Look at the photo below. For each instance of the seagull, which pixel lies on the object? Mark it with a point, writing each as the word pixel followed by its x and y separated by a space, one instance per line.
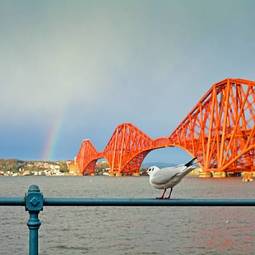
pixel 168 177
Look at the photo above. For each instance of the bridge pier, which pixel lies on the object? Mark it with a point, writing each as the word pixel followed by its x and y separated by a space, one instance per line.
pixel 205 175
pixel 118 174
pixel 219 174
pixel 247 176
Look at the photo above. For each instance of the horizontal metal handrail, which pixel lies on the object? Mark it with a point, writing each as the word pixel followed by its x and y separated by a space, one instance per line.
pixel 146 202
pixel 12 201
pixel 34 203
pixel 62 201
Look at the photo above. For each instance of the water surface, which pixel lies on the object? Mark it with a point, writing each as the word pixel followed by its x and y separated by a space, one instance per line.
pixel 134 230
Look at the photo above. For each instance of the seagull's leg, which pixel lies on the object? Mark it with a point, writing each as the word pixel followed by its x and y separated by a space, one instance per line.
pixel 170 193
pixel 162 197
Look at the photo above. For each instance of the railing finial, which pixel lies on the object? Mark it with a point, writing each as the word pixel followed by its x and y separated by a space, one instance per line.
pixel 34 199
pixel 34 204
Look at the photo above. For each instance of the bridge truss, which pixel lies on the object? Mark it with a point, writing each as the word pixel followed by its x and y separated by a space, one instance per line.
pixel 219 131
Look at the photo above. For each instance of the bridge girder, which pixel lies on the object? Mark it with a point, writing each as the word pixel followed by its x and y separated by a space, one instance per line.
pixel 219 131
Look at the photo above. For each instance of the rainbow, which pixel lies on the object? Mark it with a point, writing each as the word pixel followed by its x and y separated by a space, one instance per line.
pixel 52 138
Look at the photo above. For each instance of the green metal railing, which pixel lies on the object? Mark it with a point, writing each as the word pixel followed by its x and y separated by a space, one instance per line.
pixel 34 203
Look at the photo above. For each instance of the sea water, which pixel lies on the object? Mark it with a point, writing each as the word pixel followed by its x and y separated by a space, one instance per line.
pixel 130 230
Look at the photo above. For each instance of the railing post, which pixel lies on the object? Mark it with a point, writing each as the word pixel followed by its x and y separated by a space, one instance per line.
pixel 34 204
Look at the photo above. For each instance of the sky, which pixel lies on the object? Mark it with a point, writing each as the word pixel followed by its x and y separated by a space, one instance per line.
pixel 71 70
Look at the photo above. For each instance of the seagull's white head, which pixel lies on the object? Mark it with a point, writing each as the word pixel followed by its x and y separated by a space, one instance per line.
pixel 152 169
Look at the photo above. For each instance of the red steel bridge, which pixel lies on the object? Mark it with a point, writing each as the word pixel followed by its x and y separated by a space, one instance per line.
pixel 219 131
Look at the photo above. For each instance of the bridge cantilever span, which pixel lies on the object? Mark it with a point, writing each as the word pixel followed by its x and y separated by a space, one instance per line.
pixel 125 151
pixel 219 131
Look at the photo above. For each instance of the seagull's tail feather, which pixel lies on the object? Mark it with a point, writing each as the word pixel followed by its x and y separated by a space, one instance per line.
pixel 190 163
pixel 187 168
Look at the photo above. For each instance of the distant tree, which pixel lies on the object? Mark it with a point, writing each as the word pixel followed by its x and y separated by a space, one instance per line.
pixel 9 165
pixel 63 167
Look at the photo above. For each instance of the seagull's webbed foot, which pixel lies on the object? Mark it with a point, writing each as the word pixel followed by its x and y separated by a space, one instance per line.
pixel 162 197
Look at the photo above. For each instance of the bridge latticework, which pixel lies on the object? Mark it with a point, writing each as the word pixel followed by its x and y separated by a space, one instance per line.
pixel 219 131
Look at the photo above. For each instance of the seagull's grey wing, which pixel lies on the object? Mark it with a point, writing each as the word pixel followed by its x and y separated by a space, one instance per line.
pixel 164 175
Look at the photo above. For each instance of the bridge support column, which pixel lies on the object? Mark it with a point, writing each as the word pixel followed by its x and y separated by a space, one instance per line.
pixel 220 174
pixel 247 176
pixel 205 175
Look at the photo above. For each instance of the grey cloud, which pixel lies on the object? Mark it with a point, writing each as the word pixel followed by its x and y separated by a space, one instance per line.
pixel 99 63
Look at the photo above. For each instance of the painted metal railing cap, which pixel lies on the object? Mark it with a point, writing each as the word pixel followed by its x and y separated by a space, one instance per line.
pixel 34 199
